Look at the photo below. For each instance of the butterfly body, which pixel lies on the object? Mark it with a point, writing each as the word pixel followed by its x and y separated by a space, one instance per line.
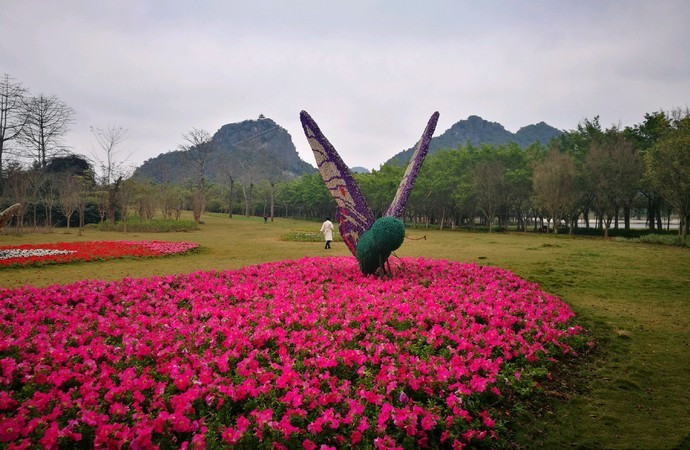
pixel 376 244
pixel 370 240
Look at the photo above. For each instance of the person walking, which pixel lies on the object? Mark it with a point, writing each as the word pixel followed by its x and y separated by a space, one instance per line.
pixel 327 230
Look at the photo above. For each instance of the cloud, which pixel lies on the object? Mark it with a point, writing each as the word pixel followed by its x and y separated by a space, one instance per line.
pixel 370 73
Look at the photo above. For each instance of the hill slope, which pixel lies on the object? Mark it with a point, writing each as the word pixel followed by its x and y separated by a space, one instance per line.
pixel 477 131
pixel 251 149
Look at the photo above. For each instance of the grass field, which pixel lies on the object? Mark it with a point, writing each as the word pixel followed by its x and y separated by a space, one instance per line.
pixel 633 392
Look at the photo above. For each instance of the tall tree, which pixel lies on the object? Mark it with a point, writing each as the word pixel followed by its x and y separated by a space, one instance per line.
pixel 12 115
pixel 198 149
pixel 613 171
pixel 556 187
pixel 106 157
pixel 69 193
pixel 644 136
pixel 668 169
pixel 47 121
pixel 489 180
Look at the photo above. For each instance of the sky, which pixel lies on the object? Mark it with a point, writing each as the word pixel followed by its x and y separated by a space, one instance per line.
pixel 370 73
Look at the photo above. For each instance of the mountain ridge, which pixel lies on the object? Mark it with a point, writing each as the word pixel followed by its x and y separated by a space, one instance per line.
pixel 251 150
pixel 476 131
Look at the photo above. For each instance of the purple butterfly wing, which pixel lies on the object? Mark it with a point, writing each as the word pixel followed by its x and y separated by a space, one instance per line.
pixel 354 215
pixel 398 205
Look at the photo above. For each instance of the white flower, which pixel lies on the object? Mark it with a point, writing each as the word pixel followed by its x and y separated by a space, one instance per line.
pixel 26 253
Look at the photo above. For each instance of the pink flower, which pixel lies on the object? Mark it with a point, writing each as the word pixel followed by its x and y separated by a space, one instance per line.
pixel 161 356
pixel 9 431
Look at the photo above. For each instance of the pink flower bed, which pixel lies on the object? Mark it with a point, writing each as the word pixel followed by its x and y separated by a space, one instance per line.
pixel 290 354
pixel 62 252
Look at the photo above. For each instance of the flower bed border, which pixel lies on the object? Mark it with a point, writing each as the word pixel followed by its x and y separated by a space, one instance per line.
pixel 94 251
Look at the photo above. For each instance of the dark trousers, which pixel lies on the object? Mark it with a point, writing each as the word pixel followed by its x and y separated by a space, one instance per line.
pixel 328 244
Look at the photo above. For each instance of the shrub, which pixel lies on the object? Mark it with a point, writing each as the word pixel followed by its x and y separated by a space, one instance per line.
pixel 307 236
pixel 136 224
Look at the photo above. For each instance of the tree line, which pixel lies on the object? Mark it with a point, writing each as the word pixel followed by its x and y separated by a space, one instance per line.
pixel 592 175
pixel 589 177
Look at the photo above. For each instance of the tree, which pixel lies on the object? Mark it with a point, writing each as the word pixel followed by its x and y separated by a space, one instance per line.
pixel 109 139
pixel 47 121
pixel 47 192
pixel 171 198
pixel 228 182
pixel 613 171
pixel 667 166
pixel 112 200
pixel 84 184
pixel 556 187
pixel 69 193
pixel 488 186
pixel 145 197
pixel 125 197
pixel 12 115
pixel 198 150
pixel 644 136
pixel 74 164
pixel 112 171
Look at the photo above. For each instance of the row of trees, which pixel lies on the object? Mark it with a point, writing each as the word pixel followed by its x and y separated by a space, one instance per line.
pixel 66 192
pixel 592 174
pixel 589 174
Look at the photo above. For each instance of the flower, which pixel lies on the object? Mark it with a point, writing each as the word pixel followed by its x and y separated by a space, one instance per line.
pixel 282 352
pixel 62 252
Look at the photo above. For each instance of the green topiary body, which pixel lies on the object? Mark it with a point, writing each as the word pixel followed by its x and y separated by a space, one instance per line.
pixel 375 245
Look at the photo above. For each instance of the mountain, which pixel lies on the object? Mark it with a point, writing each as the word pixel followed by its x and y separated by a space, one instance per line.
pixel 477 131
pixel 250 150
pixel 358 169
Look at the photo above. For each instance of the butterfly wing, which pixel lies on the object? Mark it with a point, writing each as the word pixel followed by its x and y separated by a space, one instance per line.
pixel 354 215
pixel 7 214
pixel 398 204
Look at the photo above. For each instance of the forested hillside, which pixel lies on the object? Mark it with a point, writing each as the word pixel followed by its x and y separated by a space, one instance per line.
pixel 253 149
pixel 477 131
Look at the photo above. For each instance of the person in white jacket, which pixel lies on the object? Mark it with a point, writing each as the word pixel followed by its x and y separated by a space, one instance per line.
pixel 327 230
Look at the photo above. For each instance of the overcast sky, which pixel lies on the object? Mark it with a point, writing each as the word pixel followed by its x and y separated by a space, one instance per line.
pixel 369 72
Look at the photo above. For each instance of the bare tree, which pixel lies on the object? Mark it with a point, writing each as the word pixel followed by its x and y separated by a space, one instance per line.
pixel 112 170
pixel 254 164
pixel 198 150
pixel 12 115
pixel 125 197
pixel 146 198
pixel 84 183
pixel 228 181
pixel 47 121
pixel 109 140
pixel 556 187
pixel 171 198
pixel 47 194
pixel 68 195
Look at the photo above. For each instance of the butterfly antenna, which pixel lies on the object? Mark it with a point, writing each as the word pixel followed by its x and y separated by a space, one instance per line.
pixel 402 263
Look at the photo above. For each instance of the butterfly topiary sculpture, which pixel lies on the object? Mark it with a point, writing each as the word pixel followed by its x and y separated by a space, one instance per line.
pixel 370 240
pixel 6 215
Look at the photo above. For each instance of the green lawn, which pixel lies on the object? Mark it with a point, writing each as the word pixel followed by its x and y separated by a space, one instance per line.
pixel 634 392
